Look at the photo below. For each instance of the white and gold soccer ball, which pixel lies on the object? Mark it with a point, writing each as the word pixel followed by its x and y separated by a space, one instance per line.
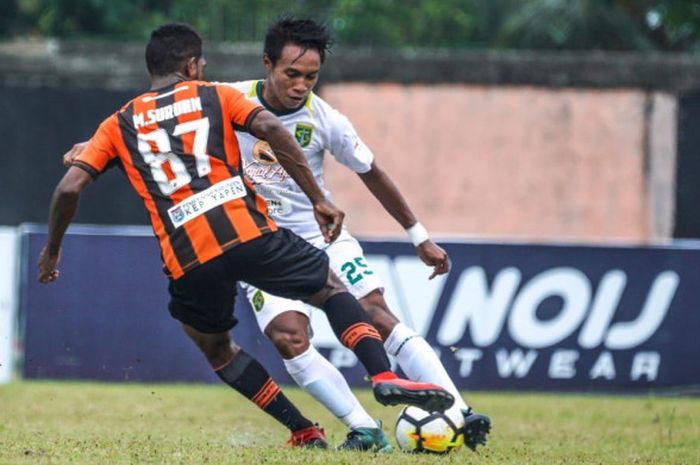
pixel 431 432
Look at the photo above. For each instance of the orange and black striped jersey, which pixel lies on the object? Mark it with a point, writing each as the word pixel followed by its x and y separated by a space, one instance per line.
pixel 178 148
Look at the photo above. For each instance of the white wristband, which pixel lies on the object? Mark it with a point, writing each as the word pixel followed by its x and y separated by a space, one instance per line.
pixel 418 234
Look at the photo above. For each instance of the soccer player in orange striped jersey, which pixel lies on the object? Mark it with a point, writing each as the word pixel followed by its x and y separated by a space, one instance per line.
pixel 177 146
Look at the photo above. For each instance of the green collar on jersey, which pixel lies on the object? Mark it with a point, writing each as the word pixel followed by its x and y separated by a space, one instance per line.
pixel 274 111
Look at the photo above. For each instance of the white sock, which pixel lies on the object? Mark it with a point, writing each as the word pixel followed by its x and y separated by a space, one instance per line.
pixel 323 381
pixel 420 362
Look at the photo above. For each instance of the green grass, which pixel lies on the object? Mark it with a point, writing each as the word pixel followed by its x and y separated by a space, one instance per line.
pixel 82 423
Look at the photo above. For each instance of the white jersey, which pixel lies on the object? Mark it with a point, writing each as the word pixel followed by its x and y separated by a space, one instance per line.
pixel 318 128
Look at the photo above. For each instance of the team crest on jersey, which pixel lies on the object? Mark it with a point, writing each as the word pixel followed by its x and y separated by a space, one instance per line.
pixel 258 300
pixel 263 154
pixel 178 214
pixel 303 133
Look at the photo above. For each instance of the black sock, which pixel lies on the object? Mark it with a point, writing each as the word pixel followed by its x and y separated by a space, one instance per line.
pixel 351 326
pixel 247 376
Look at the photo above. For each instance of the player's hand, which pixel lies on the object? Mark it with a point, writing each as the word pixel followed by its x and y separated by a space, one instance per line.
pixel 330 219
pixel 73 153
pixel 47 266
pixel 433 255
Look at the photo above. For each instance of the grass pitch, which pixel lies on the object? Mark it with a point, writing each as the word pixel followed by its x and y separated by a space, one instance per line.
pixel 85 423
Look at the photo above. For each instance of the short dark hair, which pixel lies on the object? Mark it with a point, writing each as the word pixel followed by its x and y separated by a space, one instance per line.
pixel 306 33
pixel 171 45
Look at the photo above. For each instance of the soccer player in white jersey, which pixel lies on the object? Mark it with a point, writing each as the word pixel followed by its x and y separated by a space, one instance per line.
pixel 294 52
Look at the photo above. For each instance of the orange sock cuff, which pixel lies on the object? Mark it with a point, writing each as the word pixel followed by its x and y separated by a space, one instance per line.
pixel 355 333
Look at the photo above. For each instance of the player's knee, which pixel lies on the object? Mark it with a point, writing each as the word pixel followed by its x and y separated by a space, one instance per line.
pixel 220 352
pixel 289 334
pixel 290 343
pixel 218 348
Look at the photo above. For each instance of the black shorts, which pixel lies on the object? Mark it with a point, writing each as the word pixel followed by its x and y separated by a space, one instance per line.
pixel 280 263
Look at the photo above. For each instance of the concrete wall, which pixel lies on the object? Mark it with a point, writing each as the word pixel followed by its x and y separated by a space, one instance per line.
pixel 526 162
pixel 120 66
pixel 542 146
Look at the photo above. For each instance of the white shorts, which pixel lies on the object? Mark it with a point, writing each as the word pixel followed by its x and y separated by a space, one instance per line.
pixel 347 260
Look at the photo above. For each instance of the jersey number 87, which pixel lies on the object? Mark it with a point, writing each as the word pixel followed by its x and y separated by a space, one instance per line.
pixel 156 150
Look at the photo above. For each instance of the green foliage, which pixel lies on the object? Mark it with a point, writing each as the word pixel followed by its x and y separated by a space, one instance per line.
pixel 678 24
pixel 538 24
pixel 577 24
pixel 388 23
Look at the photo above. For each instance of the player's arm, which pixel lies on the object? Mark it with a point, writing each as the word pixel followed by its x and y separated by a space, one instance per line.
pixel 266 126
pixel 385 191
pixel 64 204
pixel 89 161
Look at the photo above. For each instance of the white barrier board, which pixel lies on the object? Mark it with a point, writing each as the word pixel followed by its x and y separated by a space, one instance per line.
pixel 8 299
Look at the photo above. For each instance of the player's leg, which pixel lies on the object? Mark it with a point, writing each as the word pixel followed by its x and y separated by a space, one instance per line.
pixel 286 323
pixel 420 363
pixel 247 376
pixel 414 355
pixel 203 301
pixel 412 352
pixel 351 325
pixel 284 264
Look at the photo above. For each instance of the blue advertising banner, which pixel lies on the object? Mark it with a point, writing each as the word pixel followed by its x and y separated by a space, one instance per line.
pixel 106 316
pixel 507 316
pixel 563 317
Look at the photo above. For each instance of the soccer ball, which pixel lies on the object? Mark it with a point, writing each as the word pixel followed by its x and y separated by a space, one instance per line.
pixel 431 432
